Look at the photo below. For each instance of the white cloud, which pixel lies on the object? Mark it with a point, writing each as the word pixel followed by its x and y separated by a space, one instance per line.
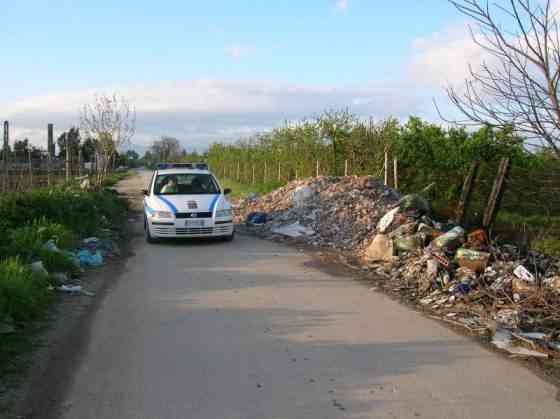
pixel 200 112
pixel 342 5
pixel 444 57
pixel 239 51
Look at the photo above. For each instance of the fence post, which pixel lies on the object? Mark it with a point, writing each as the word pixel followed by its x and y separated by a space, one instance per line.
pixel 466 193
pixel 396 174
pixel 30 169
pixel 317 169
pixel 279 171
pixel 49 152
pixel 67 157
pixel 265 167
pixel 238 168
pixel 386 168
pixel 79 161
pixel 253 180
pixel 345 167
pixel 5 154
pixel 490 210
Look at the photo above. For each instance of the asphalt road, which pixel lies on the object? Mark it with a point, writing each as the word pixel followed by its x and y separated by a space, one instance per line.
pixel 252 330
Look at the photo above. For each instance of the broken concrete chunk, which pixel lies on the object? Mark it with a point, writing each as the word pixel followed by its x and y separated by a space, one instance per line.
pixel 380 249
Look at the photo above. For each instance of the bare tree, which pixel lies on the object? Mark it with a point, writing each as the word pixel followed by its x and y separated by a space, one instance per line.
pixel 111 120
pixel 518 85
pixel 166 149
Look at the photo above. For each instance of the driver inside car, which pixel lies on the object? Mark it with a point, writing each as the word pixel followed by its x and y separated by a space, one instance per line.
pixel 170 186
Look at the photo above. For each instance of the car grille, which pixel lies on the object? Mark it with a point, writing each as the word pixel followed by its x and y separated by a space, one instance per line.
pixel 192 231
pixel 189 215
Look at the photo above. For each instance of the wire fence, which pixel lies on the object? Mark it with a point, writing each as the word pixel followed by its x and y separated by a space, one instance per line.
pixel 528 200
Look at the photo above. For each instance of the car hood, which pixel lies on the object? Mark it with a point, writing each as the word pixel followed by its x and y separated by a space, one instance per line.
pixel 180 203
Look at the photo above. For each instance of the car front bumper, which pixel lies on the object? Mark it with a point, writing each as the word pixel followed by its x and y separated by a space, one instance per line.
pixel 179 229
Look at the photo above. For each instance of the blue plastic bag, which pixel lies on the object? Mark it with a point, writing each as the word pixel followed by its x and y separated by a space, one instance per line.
pixel 88 258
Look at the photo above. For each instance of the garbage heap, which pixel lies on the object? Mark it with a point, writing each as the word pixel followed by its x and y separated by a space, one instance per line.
pixel 462 277
pixel 468 280
pixel 337 212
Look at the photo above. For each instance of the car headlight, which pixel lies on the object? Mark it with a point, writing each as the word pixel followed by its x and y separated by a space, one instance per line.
pixel 223 213
pixel 163 214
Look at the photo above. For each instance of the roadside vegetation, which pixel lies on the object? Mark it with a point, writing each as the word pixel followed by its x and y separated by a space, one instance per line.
pixel 426 154
pixel 43 225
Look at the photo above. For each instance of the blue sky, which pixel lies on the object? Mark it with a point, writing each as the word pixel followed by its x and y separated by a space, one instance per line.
pixel 334 53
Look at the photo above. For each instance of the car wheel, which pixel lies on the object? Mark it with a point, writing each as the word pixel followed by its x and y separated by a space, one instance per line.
pixel 230 237
pixel 149 237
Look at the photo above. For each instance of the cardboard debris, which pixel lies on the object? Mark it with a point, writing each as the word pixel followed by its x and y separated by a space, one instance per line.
pixel 380 249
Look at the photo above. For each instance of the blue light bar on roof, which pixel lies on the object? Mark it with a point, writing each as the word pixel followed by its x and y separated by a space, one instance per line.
pixel 199 166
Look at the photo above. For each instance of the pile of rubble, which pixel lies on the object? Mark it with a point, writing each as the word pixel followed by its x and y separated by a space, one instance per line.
pixel 325 211
pixel 463 278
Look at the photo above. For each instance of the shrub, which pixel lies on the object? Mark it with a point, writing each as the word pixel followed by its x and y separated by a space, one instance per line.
pixel 23 295
pixel 28 241
pixel 548 246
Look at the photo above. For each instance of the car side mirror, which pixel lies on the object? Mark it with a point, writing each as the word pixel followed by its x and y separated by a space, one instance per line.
pixel 145 192
pixel 227 191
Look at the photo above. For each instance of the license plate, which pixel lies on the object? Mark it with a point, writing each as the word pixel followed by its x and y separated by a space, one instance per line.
pixel 195 223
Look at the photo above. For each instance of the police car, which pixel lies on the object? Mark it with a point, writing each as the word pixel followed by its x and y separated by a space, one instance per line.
pixel 186 200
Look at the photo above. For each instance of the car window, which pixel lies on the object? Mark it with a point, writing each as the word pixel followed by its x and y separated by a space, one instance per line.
pixel 185 184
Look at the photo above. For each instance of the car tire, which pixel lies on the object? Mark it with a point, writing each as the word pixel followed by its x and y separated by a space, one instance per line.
pixel 149 238
pixel 230 237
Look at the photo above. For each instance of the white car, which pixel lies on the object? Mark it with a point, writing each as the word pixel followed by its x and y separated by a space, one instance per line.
pixel 186 200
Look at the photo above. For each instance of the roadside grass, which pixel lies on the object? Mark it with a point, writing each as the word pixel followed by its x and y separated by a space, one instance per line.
pixel 116 177
pixel 240 190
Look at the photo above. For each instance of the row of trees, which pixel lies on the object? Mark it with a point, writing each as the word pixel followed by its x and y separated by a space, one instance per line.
pixel 339 141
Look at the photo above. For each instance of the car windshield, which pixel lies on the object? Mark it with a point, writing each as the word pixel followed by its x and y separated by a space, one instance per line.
pixel 186 184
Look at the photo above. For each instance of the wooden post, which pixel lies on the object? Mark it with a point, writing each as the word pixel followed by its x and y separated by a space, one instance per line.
pixel 30 169
pixel 238 168
pixel 297 174
pixel 345 167
pixel 49 152
pixel 386 168
pixel 5 154
pixel 396 174
pixel 253 181
pixel 492 206
pixel 279 171
pixel 317 169
pixel 466 193
pixel 265 171
pixel 79 161
pixel 67 157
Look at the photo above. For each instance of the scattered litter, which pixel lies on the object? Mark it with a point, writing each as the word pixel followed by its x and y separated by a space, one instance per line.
pixel 39 268
pixel 70 289
pixel 257 218
pixel 293 230
pixel 459 276
pixel 59 277
pixel 522 273
pixel 87 258
pixel 503 339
